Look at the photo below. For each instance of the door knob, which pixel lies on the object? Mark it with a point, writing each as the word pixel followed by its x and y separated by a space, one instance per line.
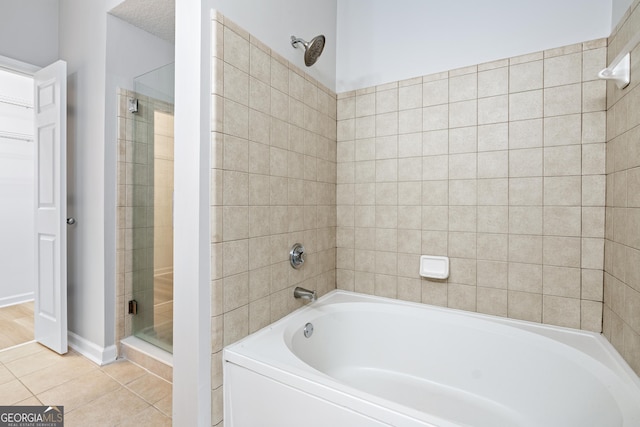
pixel 71 220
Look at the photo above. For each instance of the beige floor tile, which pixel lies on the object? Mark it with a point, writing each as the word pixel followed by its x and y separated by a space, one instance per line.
pixel 165 405
pixel 32 363
pixel 150 387
pixel 148 417
pixel 5 375
pixel 16 325
pixel 13 333
pixel 26 322
pixel 10 355
pixel 65 368
pixel 123 371
pixel 109 410
pixel 13 392
pixel 79 391
pixel 30 401
pixel 15 311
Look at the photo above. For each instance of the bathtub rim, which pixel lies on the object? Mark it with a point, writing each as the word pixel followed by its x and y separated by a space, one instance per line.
pixel 294 372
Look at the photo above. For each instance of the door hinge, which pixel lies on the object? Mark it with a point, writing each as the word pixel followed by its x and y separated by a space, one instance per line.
pixel 133 307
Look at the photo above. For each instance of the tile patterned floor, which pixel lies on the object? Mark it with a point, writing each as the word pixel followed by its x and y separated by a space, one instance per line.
pixel 119 394
pixel 16 324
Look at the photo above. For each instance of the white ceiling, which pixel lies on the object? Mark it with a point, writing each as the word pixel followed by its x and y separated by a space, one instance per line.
pixel 154 16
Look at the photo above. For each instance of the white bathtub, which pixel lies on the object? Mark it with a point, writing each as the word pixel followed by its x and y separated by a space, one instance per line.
pixel 373 361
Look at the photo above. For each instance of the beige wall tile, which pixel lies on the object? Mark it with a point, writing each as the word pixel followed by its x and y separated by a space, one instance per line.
pixel 236 324
pixel 461 297
pixel 493 137
pixel 462 88
pixel 591 316
pixel 493 164
pixel 462 166
pixel 236 84
pixel 492 301
pixel 563 70
pixel 463 113
pixel 525 277
pixel 524 248
pixel 594 127
pixel 236 50
pixel 565 160
pixel 563 191
pixel 435 142
pixel 525 133
pixel 493 82
pixel 493 219
pixel 561 100
pixel 524 306
pixel 525 220
pixel 525 105
pixel 561 281
pixel 631 350
pixel 462 245
pixel 525 76
pixel 493 110
pixel 561 311
pixel 386 101
pixel 435 92
pixel 561 251
pixel 563 130
pixel 562 221
pixel 594 96
pixel 434 293
pixel 434 242
pixel 462 271
pixel 409 289
pixel 463 140
pixel 493 192
pixel 463 192
pixel 410 97
pixel 492 274
pixel 410 145
pixel 492 246
pixel 525 163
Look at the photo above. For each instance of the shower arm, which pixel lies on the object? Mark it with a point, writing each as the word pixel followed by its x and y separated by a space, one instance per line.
pixel 295 40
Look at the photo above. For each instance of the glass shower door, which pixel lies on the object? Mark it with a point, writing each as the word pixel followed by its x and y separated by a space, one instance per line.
pixel 152 212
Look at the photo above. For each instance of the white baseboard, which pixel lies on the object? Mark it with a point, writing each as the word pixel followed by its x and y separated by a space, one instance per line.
pixel 16 299
pixel 92 351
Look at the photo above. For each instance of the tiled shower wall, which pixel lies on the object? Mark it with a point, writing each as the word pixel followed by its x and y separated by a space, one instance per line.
pixel 622 247
pixel 500 167
pixel 273 184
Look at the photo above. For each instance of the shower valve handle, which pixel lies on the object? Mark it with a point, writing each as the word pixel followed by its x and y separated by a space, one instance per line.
pixel 296 255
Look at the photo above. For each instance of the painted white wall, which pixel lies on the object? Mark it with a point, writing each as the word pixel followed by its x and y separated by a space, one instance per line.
pixel 29 30
pixel 82 42
pixel 192 397
pixel 16 191
pixel 16 221
pixel 619 8
pixel 274 22
pixel 380 41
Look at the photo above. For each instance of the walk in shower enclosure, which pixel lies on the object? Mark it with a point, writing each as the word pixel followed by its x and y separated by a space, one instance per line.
pixel 151 195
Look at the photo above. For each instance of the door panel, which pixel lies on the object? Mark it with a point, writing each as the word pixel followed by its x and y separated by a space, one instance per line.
pixel 50 308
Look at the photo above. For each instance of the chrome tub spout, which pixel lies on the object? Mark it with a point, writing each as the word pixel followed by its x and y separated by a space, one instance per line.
pixel 303 293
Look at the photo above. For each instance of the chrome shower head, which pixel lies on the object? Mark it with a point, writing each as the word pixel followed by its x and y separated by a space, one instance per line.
pixel 312 49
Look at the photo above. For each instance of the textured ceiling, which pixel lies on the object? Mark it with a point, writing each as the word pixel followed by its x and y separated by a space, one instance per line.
pixel 154 16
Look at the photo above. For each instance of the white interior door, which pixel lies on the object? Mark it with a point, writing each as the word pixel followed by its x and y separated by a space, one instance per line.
pixel 50 106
